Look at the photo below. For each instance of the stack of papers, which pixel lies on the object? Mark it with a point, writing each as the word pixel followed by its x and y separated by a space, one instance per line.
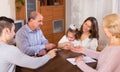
pixel 86 59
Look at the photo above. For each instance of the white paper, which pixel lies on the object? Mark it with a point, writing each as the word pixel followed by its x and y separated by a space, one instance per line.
pixel 71 60
pixel 86 59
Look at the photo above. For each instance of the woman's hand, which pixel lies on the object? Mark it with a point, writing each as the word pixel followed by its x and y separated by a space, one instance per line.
pixel 78 59
pixel 76 49
pixel 67 45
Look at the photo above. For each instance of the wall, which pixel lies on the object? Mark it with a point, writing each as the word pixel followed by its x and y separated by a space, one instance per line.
pixel 68 13
pixel 7 8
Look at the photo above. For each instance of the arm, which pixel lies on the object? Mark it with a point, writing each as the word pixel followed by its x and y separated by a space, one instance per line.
pixel 93 44
pixel 64 43
pixel 88 52
pixel 20 59
pixel 84 67
pixel 43 39
pixel 91 53
pixel 108 64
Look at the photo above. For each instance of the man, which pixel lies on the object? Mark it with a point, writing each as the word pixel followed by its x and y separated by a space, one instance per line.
pixel 30 38
pixel 11 55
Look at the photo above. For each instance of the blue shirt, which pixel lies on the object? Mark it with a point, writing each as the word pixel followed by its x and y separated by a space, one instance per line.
pixel 30 42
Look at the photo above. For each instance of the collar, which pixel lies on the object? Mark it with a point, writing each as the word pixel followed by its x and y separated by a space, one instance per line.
pixel 28 28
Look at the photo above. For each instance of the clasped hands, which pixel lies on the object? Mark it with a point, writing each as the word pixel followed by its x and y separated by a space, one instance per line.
pixel 67 46
pixel 77 49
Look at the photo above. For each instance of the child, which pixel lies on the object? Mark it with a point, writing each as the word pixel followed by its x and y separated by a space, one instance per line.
pixel 69 39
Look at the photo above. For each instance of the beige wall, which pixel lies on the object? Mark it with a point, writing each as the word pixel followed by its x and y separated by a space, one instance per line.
pixel 7 8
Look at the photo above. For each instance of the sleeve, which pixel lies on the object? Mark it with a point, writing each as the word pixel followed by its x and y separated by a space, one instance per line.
pixel 90 53
pixel 43 39
pixel 85 68
pixel 18 58
pixel 93 44
pixel 109 64
pixel 63 39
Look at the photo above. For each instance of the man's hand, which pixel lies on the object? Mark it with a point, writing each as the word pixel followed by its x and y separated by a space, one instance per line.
pixel 76 49
pixel 42 52
pixel 52 53
pixel 49 46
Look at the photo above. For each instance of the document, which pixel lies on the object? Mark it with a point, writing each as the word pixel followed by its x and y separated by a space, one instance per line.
pixel 86 59
pixel 71 60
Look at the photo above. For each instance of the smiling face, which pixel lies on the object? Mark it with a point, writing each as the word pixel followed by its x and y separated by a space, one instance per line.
pixel 38 21
pixel 35 20
pixel 87 26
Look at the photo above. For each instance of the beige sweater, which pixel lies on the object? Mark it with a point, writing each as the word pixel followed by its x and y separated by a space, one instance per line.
pixel 108 60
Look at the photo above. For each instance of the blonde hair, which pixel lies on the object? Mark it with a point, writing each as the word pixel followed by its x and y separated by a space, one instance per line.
pixel 112 23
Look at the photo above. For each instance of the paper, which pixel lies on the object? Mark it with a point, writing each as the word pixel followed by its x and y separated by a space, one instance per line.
pixel 86 59
pixel 71 60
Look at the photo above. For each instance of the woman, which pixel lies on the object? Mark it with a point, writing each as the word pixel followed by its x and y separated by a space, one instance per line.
pixel 88 34
pixel 108 59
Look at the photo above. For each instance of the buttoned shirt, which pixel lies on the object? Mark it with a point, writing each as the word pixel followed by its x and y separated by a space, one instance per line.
pixel 30 42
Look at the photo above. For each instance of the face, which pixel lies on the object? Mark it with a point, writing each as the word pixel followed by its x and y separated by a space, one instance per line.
pixel 11 34
pixel 38 22
pixel 71 36
pixel 87 26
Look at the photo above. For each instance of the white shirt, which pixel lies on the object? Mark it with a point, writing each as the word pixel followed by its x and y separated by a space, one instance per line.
pixel 89 43
pixel 65 39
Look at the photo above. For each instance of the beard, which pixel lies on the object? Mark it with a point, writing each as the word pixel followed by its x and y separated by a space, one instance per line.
pixel 10 40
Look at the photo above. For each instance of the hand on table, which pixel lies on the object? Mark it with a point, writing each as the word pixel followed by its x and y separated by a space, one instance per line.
pixel 42 52
pixel 49 46
pixel 78 59
pixel 52 53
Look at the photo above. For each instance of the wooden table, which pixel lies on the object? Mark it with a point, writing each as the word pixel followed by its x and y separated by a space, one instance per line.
pixel 57 64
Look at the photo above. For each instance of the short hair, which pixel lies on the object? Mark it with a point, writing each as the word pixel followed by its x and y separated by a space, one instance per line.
pixel 5 23
pixel 94 28
pixel 112 23
pixel 6 19
pixel 32 15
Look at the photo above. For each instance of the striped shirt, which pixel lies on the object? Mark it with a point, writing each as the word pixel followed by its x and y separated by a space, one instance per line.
pixel 30 42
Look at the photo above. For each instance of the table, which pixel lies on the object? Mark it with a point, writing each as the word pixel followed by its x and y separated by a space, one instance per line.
pixel 57 64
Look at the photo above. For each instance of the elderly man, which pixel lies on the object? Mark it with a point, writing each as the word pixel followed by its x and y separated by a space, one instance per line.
pixel 30 38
